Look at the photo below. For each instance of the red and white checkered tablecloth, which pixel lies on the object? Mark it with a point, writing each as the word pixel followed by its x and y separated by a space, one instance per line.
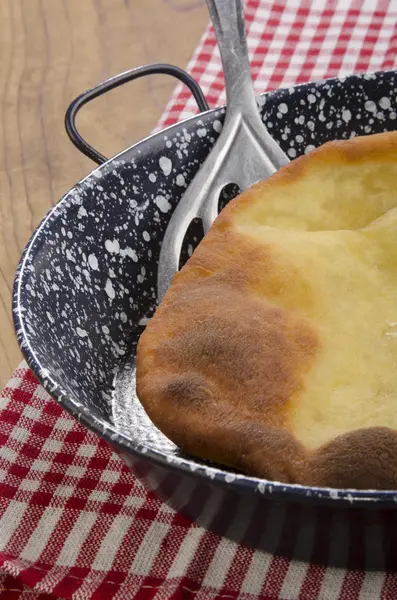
pixel 74 523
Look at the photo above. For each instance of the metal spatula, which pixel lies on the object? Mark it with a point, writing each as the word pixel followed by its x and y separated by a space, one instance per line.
pixel 244 152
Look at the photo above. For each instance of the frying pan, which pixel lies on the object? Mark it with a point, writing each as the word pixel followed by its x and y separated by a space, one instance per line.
pixel 86 286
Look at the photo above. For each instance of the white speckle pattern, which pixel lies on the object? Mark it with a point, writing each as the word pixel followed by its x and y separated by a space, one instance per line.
pixel 144 321
pixel 384 103
pixel 129 252
pixel 112 246
pixel 180 180
pixel 81 332
pixel 165 165
pixel 109 289
pixel 370 106
pixel 93 262
pixel 346 115
pixel 210 473
pixel 162 203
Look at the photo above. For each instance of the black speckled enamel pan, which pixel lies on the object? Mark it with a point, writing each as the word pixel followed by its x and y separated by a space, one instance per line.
pixel 86 286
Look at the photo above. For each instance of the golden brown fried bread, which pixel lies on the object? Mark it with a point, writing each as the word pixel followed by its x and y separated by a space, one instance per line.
pixel 275 349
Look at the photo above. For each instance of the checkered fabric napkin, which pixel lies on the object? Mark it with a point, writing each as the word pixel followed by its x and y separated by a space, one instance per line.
pixel 74 523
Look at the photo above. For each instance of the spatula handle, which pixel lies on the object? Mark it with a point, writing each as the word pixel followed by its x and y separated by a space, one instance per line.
pixel 227 17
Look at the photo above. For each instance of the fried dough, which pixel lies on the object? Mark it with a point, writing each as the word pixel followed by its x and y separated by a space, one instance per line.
pixel 274 350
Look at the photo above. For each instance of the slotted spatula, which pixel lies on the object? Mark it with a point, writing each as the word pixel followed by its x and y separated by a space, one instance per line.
pixel 244 153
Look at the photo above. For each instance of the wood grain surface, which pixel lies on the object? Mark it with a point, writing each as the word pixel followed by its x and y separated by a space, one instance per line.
pixel 52 50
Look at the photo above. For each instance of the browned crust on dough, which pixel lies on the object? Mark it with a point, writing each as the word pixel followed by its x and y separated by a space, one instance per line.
pixel 216 367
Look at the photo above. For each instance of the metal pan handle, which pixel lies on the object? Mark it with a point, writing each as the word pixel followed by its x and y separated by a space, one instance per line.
pixel 114 82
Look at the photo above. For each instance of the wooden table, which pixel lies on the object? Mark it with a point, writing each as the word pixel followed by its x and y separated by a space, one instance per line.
pixel 52 50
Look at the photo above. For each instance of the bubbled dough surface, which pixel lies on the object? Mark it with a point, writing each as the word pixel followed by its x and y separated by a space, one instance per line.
pixel 335 229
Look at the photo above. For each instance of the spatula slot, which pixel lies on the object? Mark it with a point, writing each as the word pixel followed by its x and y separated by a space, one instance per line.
pixel 228 192
pixel 193 237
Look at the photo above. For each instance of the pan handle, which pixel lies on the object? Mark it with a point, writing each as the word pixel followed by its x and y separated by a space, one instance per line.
pixel 114 82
